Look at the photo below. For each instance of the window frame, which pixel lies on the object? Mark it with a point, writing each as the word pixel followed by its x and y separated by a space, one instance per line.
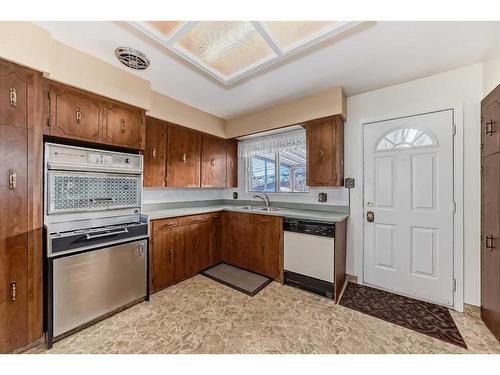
pixel 276 179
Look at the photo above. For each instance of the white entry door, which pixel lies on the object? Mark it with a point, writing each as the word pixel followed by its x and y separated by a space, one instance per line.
pixel 408 177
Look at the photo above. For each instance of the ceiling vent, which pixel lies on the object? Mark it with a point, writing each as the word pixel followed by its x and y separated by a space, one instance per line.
pixel 132 58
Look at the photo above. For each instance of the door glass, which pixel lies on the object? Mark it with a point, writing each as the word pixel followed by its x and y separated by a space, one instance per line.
pixel 405 138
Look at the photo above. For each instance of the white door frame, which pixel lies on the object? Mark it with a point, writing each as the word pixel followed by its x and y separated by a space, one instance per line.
pixel 458 193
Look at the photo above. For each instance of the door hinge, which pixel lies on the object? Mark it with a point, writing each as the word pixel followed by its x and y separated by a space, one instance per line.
pixel 454 129
pixel 454 285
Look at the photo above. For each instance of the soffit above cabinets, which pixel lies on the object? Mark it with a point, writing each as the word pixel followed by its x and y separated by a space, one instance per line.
pixel 229 51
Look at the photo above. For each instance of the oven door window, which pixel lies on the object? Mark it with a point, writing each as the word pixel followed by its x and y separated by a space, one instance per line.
pixel 83 192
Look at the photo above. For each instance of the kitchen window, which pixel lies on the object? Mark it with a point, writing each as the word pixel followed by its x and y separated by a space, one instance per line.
pixel 276 163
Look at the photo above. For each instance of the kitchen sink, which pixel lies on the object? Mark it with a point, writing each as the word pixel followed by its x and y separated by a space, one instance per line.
pixel 253 208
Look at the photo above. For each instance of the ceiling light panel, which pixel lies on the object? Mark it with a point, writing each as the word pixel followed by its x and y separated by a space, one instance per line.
pixel 227 47
pixel 288 34
pixel 165 28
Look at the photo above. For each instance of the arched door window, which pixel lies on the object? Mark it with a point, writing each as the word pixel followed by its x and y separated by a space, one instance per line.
pixel 406 138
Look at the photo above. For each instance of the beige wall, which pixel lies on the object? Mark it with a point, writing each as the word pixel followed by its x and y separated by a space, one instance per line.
pixel 323 104
pixel 168 109
pixel 28 44
pixel 491 74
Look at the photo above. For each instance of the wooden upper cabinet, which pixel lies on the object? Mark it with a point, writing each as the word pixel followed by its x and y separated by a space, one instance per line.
pixel 155 153
pixel 124 126
pixel 75 114
pixel 16 91
pixel 490 123
pixel 325 152
pixel 232 163
pixel 213 162
pixel 183 157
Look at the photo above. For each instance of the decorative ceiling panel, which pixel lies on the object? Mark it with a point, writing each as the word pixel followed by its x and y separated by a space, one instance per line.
pixel 229 51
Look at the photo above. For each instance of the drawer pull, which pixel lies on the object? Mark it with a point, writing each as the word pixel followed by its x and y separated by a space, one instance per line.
pixel 12 179
pixel 489 242
pixel 13 96
pixel 12 290
pixel 184 158
pixel 489 127
pixel 321 154
pixel 78 115
pixel 212 162
pixel 122 125
pixel 153 153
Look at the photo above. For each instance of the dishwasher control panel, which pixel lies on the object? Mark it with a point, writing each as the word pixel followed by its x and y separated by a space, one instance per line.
pixel 313 228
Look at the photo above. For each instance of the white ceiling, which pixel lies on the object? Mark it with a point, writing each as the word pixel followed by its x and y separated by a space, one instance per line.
pixel 367 57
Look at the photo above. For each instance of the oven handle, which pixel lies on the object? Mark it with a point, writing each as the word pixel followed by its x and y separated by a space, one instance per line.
pixel 90 236
pixel 95 200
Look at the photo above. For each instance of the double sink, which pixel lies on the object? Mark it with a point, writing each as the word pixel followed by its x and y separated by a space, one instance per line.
pixel 257 208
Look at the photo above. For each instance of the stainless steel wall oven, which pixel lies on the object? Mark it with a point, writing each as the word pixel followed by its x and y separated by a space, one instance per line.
pixel 96 239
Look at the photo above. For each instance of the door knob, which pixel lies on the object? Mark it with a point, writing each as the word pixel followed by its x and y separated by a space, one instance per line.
pixel 370 216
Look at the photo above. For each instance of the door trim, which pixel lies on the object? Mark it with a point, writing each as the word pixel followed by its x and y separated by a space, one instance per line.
pixel 458 193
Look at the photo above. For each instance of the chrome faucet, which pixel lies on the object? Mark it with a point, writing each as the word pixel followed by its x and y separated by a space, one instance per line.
pixel 264 197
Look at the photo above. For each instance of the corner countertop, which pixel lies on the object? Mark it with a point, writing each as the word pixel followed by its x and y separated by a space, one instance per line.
pixel 296 213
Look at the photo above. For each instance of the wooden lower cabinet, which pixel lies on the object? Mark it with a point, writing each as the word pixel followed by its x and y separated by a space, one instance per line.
pixel 179 248
pixel 253 242
pixel 182 247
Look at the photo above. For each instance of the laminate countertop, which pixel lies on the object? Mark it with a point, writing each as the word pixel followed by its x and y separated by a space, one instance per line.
pixel 296 213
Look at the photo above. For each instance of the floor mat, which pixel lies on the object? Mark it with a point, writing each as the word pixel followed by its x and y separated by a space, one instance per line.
pixel 422 317
pixel 244 281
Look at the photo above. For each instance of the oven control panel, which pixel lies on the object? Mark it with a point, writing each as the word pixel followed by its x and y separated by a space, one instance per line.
pixel 78 158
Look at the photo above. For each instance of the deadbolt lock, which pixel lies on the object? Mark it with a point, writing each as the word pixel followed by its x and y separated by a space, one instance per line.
pixel 370 216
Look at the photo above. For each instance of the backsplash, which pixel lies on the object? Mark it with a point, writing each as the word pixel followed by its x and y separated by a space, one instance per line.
pixel 162 195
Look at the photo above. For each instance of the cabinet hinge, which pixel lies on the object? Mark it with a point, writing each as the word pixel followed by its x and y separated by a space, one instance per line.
pixel 454 129
pixel 454 285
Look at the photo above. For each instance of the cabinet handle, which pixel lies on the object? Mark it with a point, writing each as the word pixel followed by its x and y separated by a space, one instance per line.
pixel 184 158
pixel 13 290
pixel 489 242
pixel 78 115
pixel 12 179
pixel 122 125
pixel 153 153
pixel 212 162
pixel 489 127
pixel 13 96
pixel 171 256
pixel 321 153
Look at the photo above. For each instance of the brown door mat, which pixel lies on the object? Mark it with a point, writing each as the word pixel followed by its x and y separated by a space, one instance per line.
pixel 242 280
pixel 423 317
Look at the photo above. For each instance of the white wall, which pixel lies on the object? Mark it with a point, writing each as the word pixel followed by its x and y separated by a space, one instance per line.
pixel 336 196
pixel 458 87
pixel 491 74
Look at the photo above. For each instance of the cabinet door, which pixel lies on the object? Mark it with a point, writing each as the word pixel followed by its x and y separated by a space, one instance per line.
pixel 75 114
pixel 217 251
pixel 198 247
pixel 265 245
pixel 14 95
pixel 490 123
pixel 155 153
pixel 183 157
pixel 124 126
pixel 163 244
pixel 325 148
pixel 237 239
pixel 13 238
pixel 213 162
pixel 232 163
pixel 490 249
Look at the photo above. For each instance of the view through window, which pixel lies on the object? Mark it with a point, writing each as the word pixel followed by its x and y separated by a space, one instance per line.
pixel 283 171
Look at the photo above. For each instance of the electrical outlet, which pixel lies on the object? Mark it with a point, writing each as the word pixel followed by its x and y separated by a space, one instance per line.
pixel 322 197
pixel 235 195
pixel 349 182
